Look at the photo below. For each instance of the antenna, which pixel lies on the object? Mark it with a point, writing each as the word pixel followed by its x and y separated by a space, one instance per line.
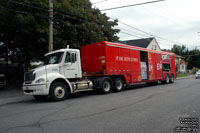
pixel 67 46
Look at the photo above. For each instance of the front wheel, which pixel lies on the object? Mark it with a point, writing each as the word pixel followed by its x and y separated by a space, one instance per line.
pixel 58 91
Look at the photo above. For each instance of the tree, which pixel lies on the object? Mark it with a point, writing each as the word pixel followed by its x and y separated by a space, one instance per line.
pixel 194 58
pixel 190 56
pixel 24 27
pixel 179 50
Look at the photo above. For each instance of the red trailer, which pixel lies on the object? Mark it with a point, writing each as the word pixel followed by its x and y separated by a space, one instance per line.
pixel 127 64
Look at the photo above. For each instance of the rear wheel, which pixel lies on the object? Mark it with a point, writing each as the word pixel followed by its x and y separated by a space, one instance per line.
pixel 166 81
pixel 172 79
pixel 106 86
pixel 58 91
pixel 118 84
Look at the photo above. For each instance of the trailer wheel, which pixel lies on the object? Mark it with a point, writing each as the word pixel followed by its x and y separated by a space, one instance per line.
pixel 40 97
pixel 58 91
pixel 166 81
pixel 172 79
pixel 106 86
pixel 118 84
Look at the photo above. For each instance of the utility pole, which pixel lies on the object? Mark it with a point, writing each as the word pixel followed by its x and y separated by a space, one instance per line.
pixel 50 25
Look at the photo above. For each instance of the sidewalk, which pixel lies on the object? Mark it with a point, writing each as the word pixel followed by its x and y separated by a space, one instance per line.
pixel 187 77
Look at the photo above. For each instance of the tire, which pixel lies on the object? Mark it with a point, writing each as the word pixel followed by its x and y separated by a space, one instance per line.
pixel 172 79
pixel 118 84
pixel 106 86
pixel 58 91
pixel 166 81
pixel 40 98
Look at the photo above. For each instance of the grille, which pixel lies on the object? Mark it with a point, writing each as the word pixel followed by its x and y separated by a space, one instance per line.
pixel 29 77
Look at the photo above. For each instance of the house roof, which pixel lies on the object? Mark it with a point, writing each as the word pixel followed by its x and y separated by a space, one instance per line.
pixel 144 43
pixel 184 62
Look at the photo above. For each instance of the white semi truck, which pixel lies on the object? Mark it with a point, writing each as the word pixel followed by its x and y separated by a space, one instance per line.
pixel 60 75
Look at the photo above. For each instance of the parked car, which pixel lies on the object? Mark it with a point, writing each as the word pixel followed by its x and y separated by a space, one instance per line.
pixel 198 74
pixel 2 80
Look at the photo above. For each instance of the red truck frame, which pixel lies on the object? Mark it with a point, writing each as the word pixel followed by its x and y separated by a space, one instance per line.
pixel 128 63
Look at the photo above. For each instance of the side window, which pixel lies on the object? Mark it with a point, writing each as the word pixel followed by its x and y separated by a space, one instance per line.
pixel 73 57
pixel 67 58
pixel 70 57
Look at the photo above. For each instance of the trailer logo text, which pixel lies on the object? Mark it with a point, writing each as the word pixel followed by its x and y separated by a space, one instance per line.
pixel 120 58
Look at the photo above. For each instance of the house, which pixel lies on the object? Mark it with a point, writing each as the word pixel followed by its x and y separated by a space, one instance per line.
pixel 149 43
pixel 180 64
pixel 182 67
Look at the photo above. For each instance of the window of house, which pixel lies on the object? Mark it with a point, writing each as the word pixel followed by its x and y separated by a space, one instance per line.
pixel 154 47
pixel 182 66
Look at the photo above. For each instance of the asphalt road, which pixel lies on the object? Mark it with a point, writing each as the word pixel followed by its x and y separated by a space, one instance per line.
pixel 156 109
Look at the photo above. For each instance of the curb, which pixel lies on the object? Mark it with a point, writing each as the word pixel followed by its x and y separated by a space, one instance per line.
pixel 188 77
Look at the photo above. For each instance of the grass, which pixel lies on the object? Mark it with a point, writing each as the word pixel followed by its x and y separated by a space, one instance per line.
pixel 183 75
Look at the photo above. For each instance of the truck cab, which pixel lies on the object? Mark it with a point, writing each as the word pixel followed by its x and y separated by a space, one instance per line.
pixel 56 78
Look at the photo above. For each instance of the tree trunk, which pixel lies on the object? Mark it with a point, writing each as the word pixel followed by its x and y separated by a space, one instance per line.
pixel 27 65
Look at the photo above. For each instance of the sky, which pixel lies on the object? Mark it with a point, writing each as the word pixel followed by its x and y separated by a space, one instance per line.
pixel 170 21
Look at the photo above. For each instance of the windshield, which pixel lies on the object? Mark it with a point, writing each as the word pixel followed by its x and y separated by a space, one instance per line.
pixel 53 58
pixel 198 71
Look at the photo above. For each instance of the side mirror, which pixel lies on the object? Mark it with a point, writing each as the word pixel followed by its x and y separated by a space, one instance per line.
pixel 41 64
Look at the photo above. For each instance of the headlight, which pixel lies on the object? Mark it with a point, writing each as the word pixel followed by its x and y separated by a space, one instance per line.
pixel 41 80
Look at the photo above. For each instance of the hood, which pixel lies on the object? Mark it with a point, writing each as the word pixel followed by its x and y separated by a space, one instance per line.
pixel 50 68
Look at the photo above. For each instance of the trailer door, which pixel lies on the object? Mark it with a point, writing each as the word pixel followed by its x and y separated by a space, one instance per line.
pixel 159 71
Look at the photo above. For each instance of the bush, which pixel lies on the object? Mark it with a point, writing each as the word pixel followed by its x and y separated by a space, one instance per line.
pixel 195 69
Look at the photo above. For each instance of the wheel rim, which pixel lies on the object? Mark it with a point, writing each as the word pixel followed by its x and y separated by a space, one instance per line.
pixel 172 79
pixel 119 85
pixel 167 79
pixel 106 86
pixel 59 92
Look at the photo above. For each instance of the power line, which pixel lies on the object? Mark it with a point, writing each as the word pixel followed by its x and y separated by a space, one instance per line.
pixel 141 38
pixel 27 5
pixel 69 15
pixel 22 12
pixel 56 11
pixel 132 5
pixel 135 33
pixel 147 32
pixel 66 15
pixel 130 34
pixel 99 1
pixel 192 55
